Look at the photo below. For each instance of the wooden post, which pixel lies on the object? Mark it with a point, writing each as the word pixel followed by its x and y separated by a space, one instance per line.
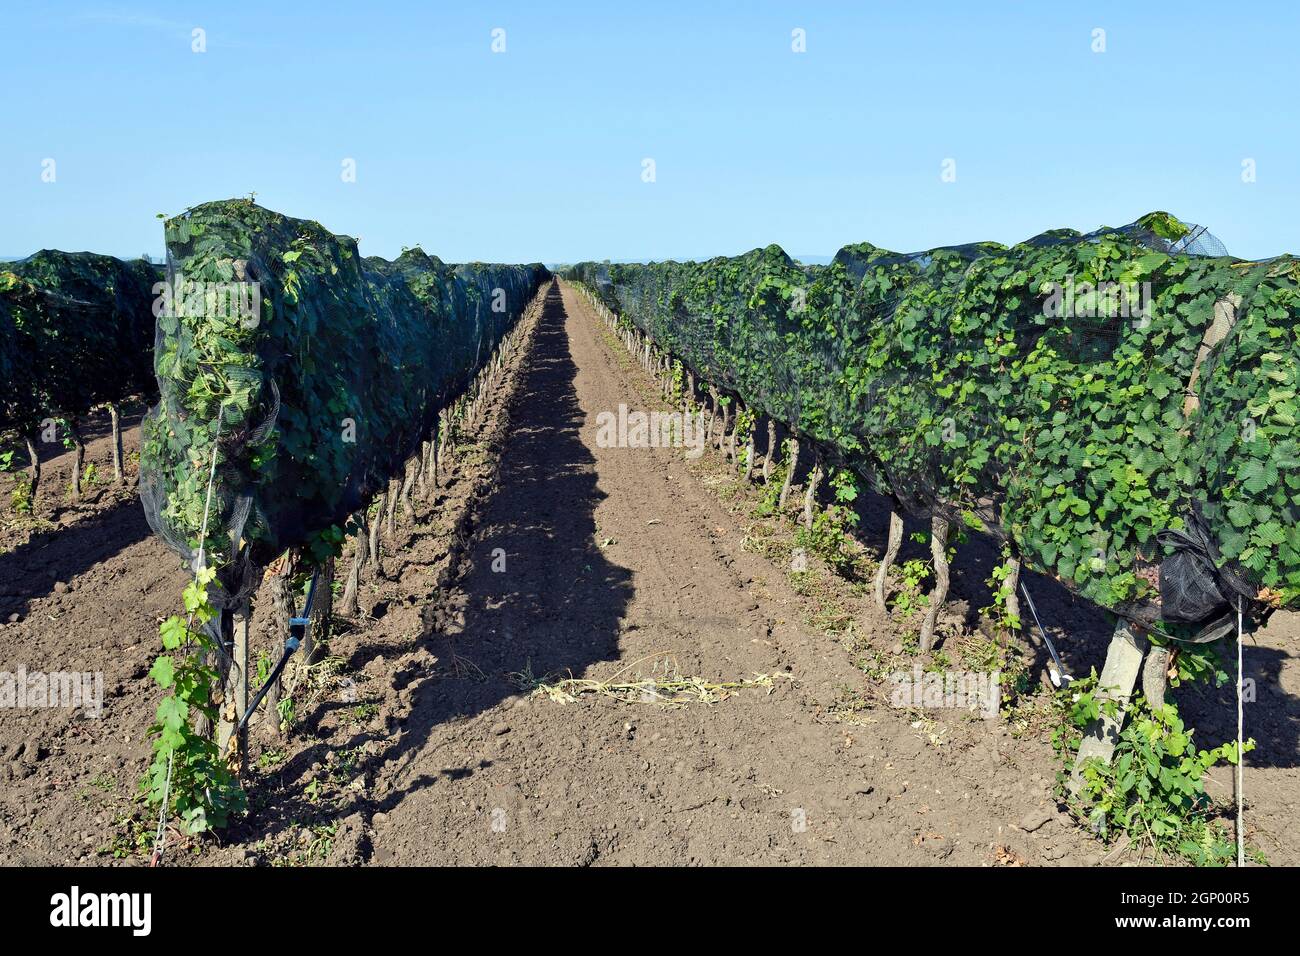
pixel 430 448
pixel 939 555
pixel 810 496
pixel 892 545
pixel 79 459
pixel 373 550
pixel 793 458
pixel 1155 675
pixel 1011 584
pixel 408 480
pixel 282 604
pixel 771 450
pixel 115 416
pixel 322 612
pixel 433 452
pixel 1118 676
pixel 34 465
pixel 394 487
pixel 360 546
pixel 1222 320
pixel 226 681
pixel 241 681
pixel 420 461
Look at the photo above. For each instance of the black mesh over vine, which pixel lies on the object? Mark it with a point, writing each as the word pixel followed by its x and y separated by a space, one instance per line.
pixel 75 332
pixel 314 373
pixel 1117 406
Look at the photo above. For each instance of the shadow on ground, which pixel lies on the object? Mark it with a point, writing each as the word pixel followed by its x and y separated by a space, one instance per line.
pixel 555 608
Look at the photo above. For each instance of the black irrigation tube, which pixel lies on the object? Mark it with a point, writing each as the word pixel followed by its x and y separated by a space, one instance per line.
pixel 297 634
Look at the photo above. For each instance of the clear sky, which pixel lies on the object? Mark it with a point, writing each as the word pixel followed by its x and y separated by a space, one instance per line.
pixel 537 153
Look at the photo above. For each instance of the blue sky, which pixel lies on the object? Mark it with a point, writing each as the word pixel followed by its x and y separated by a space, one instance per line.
pixel 536 153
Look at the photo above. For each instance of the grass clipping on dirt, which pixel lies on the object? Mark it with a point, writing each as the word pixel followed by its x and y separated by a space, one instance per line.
pixel 666 686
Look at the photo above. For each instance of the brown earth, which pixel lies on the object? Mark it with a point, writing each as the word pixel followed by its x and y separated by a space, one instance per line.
pixel 427 735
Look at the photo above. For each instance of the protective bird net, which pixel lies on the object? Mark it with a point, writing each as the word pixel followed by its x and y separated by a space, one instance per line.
pixel 312 373
pixel 75 332
pixel 1119 407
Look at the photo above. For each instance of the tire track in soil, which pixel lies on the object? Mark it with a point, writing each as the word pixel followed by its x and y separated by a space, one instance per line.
pixel 617 556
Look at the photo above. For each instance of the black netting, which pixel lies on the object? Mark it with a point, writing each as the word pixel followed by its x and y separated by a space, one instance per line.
pixel 313 373
pixel 75 330
pixel 1118 405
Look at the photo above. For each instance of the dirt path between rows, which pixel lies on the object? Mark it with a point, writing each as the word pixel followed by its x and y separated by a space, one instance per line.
pixel 620 568
pixel 423 737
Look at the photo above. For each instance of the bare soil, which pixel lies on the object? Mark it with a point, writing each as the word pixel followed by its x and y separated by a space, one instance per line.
pixel 426 735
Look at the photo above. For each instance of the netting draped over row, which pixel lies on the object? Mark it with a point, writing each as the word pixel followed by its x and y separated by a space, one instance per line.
pixel 315 372
pixel 75 332
pixel 1120 406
